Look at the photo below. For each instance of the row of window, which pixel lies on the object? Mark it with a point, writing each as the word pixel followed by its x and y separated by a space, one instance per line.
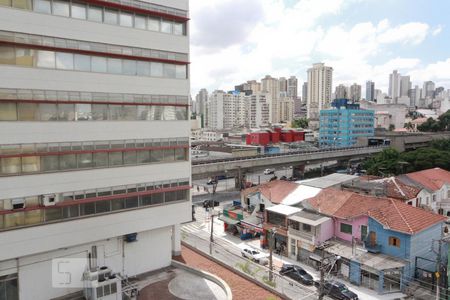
pixel 99 14
pixel 90 145
pixel 55 214
pixel 52 95
pixel 9 287
pixel 22 111
pixel 55 163
pixel 55 42
pixel 348 229
pixel 88 63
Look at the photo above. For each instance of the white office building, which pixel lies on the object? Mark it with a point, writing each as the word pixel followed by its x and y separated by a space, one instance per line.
pixel 226 110
pixel 258 113
pixel 94 138
pixel 394 85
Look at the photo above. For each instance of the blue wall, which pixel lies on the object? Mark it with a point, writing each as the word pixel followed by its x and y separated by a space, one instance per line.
pixel 355 272
pixel 383 240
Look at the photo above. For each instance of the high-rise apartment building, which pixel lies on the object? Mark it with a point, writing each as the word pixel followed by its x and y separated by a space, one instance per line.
pixel 304 92
pixel 292 91
pixel 428 90
pixel 341 92
pixel 355 92
pixel 414 95
pixel 94 139
pixel 226 110
pixel 286 109
pixel 320 81
pixel 405 85
pixel 258 114
pixel 200 101
pixel 370 90
pixel 271 86
pixel 394 85
pixel 283 86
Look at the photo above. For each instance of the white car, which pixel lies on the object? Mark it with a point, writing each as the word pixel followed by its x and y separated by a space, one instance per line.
pixel 269 171
pixel 255 255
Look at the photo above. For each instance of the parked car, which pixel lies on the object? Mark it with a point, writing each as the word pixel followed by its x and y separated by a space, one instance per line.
pixel 269 171
pixel 255 255
pixel 297 273
pixel 337 290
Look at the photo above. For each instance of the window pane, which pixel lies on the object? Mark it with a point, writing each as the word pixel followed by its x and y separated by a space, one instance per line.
pixel 170 196
pixel 49 163
pixel 153 24
pixel 11 165
pixel 114 66
pixel 181 113
pixel 53 214
pixel 68 162
pixel 131 202
pixel 115 159
pixel 156 155
pixel 143 68
pixel 169 71
pixel 25 57
pixel 82 62
pixel 118 204
pixel 66 112
pixel 95 14
pixel 180 71
pixel 178 28
pixel 64 61
pixel 61 8
pixel 99 112
pixel 79 11
pixel 143 112
pixel 84 160
pixel 42 6
pixel 87 209
pixel 28 112
pixel 7 55
pixel 158 198
pixel 99 64
pixel 14 220
pixel 33 217
pixel 8 111
pixel 45 59
pixel 102 206
pixel 129 112
pixel 143 156
pixel 166 26
pixel 5 3
pixel 157 69
pixel 111 17
pixel 116 112
pixel 126 19
pixel 22 4
pixel 129 67
pixel 83 112
pixel 180 154
pixel 140 22
pixel 169 155
pixel 129 158
pixel 100 160
pixel 48 112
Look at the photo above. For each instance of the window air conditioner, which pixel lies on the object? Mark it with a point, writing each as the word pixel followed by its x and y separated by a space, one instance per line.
pixel 48 200
pixel 18 203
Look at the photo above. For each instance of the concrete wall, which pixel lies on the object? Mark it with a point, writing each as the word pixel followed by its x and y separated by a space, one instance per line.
pixel 326 232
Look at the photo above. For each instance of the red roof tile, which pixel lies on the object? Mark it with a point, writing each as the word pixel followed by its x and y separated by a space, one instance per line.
pixel 392 213
pixel 431 179
pixel 399 190
pixel 275 190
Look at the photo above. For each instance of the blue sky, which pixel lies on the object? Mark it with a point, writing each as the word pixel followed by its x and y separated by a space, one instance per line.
pixel 238 40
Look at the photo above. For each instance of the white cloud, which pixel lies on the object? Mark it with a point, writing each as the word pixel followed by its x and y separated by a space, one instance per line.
pixel 284 40
pixel 437 30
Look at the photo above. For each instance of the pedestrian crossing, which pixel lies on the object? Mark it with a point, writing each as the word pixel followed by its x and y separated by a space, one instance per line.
pixel 194 227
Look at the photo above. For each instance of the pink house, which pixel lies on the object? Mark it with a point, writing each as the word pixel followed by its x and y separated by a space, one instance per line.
pixel 348 211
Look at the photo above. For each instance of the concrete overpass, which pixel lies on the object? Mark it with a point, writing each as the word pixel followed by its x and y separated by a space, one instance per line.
pixel 237 166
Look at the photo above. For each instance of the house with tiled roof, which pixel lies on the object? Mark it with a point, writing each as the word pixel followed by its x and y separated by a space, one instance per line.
pixel 435 189
pixel 379 238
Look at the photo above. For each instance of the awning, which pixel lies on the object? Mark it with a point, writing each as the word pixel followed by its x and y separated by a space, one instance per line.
pixel 253 223
pixel 228 220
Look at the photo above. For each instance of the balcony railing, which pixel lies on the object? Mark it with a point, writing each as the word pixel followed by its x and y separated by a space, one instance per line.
pixel 372 247
pixel 302 234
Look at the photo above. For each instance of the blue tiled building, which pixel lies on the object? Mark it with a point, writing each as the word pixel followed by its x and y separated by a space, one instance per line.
pixel 341 125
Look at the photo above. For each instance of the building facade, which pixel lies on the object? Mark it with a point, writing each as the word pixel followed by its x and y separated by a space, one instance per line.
pixel 320 81
pixel 271 86
pixel 355 92
pixel 394 85
pixel 370 90
pixel 344 123
pixel 93 105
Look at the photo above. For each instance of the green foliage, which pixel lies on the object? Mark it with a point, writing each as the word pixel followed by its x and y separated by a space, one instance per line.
pixel 300 123
pixel 441 124
pixel 245 267
pixel 391 127
pixel 391 162
pixel 266 280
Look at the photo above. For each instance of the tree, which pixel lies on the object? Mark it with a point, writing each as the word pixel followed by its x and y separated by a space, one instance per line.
pixel 300 123
pixel 441 124
pixel 391 127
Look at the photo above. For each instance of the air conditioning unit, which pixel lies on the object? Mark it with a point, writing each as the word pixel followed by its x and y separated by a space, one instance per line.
pixel 18 203
pixel 49 199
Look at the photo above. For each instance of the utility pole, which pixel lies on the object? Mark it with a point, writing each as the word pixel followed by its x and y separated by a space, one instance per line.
pixel 322 274
pixel 271 242
pixel 211 238
pixel 438 270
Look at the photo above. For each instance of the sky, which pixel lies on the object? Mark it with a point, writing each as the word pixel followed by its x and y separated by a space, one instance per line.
pixel 233 41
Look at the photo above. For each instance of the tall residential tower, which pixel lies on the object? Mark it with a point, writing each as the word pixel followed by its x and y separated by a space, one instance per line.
pixel 320 80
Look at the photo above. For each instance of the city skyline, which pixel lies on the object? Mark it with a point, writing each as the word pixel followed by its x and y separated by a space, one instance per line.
pixel 255 38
